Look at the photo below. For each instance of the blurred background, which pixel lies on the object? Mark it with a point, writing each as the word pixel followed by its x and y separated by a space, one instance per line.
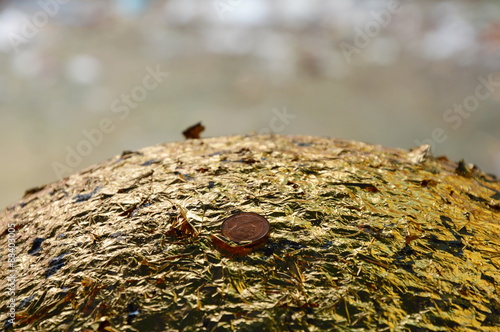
pixel 83 80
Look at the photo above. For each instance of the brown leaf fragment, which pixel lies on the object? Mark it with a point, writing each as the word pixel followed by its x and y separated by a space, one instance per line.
pixel 410 238
pixel 463 170
pixel 128 212
pixel 371 189
pixel 188 229
pixel 128 153
pixel 33 190
pixel 366 186
pixel 249 161
pixel 428 183
pixel 182 228
pixel 194 131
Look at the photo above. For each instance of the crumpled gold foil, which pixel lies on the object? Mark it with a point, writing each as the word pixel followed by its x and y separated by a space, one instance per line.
pixel 363 238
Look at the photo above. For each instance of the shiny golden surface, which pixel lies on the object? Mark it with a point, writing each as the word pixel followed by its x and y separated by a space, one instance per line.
pixel 364 238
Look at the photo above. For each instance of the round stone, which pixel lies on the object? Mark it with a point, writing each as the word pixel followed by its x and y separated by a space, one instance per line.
pixel 246 226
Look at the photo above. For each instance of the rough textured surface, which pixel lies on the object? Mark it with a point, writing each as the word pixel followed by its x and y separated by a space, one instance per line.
pixel 363 237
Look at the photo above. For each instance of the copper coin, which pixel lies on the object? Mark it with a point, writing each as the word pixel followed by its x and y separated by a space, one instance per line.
pixel 246 226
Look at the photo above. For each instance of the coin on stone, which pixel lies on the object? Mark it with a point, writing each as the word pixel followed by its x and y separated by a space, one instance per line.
pixel 245 226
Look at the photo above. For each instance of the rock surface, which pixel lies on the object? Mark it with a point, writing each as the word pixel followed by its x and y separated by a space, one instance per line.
pixel 362 237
